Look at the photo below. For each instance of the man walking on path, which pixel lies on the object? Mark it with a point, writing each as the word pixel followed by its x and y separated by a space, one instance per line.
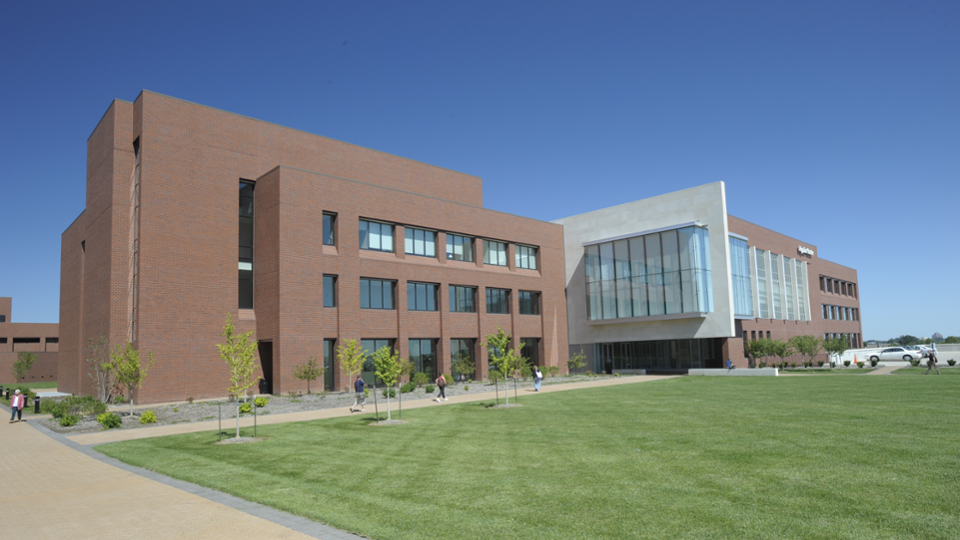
pixel 932 362
pixel 537 378
pixel 361 395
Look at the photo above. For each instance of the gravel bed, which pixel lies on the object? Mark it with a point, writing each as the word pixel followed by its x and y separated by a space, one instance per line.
pixel 200 411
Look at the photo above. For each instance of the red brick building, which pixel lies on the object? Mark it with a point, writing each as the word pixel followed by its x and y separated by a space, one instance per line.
pixel 41 339
pixel 331 242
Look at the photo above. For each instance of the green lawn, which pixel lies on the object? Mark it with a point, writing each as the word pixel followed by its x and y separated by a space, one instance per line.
pixel 944 369
pixel 692 457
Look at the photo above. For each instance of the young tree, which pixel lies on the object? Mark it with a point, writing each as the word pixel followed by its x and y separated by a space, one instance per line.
pixel 21 366
pixel 507 360
pixel 238 353
pixel 780 349
pixel 102 374
pixel 128 368
pixel 836 346
pixel 756 349
pixel 808 346
pixel 309 371
pixel 389 368
pixel 577 361
pixel 351 358
pixel 463 365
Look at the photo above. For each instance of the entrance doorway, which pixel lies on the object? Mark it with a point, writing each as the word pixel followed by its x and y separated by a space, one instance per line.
pixel 266 365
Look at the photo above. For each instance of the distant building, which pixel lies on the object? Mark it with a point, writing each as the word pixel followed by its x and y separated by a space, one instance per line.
pixel 937 337
pixel 40 338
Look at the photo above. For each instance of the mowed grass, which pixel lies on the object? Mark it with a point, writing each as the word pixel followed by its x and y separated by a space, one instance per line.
pixel 692 457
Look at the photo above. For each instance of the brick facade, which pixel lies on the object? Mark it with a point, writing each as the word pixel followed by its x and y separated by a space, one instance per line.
pixel 39 338
pixel 191 161
pixel 774 242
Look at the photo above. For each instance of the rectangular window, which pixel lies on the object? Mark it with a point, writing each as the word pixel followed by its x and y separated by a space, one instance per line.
pixel 775 276
pixel 376 236
pixel 788 286
pixel 463 299
pixel 329 291
pixel 753 335
pixel 740 275
pixel 498 300
pixel 531 350
pixel 51 340
pixel 762 284
pixel 3 318
pixel 423 356
pixel 370 346
pixel 526 257
pixel 245 281
pixel 329 229
pixel 3 340
pixel 422 296
pixel 494 253
pixel 529 303
pixel 26 340
pixel 329 348
pixel 459 248
pixel 377 293
pixel 461 349
pixel 801 291
pixel 419 242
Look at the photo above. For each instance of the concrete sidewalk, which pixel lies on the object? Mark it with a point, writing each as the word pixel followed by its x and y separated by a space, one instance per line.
pixel 54 487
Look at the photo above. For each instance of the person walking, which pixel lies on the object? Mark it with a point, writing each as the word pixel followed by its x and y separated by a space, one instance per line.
pixel 932 362
pixel 16 406
pixel 442 386
pixel 361 396
pixel 537 378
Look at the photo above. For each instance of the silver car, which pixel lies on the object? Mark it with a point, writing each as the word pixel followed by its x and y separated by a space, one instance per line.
pixel 896 353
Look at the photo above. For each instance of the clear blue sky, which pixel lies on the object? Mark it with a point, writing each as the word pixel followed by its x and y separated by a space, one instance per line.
pixel 837 123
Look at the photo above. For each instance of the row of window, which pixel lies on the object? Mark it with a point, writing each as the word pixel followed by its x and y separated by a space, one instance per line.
pixel 381 294
pixel 784 284
pixel 836 286
pixel 840 313
pixel 660 273
pixel 854 340
pixel 378 236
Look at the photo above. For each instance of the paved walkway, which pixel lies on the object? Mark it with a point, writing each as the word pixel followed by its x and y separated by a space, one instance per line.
pixel 884 370
pixel 54 487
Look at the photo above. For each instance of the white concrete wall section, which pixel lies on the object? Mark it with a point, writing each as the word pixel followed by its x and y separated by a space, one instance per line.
pixel 706 204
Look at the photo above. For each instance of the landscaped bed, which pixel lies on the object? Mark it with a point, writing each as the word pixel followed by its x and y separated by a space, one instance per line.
pixel 689 457
pixel 198 411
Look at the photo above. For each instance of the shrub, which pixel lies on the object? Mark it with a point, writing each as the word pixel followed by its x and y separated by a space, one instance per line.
pixel 915 363
pixel 190 399
pixel 495 376
pixel 246 408
pixel 846 363
pixel 819 363
pixel 861 364
pixel 69 420
pixel 419 379
pixel 429 389
pixel 109 420
pixel 526 371
pixel 589 373
pixel 409 387
pixel 391 391
pixel 873 363
pixel 951 362
pixel 261 402
pixel 465 388
pixel 793 364
pixel 616 374
pixel 118 399
pixel 763 364
pixel 553 371
pixel 57 409
pixel 448 378
pixel 148 417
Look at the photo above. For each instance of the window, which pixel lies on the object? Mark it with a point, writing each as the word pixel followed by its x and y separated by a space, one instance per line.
pixel 329 353
pixel 498 300
pixel 529 303
pixel 531 350
pixel 376 293
pixel 753 335
pixel 422 296
pixel 26 340
pixel 459 248
pixel 51 340
pixel 788 268
pixel 801 290
pixel 740 274
pixel 329 291
pixel 423 356
pixel 329 229
pixel 376 236
pixel 3 340
pixel 3 318
pixel 245 282
pixel 526 257
pixel 463 299
pixel 369 347
pixel 652 274
pixel 762 284
pixel 494 253
pixel 419 242
pixel 461 349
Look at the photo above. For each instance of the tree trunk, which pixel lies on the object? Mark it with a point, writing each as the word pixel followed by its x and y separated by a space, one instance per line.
pixel 388 404
pixel 238 417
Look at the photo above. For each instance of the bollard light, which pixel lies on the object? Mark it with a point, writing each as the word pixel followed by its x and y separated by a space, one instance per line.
pixel 36 404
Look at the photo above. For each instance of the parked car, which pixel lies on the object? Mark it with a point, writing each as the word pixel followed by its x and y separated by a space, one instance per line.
pixel 896 353
pixel 921 350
